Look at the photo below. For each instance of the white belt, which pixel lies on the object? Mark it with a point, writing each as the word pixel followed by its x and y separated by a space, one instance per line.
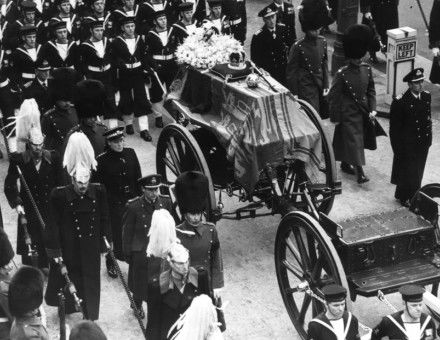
pixel 28 75
pixel 163 57
pixel 2 320
pixel 4 83
pixel 235 22
pixel 134 65
pixel 99 69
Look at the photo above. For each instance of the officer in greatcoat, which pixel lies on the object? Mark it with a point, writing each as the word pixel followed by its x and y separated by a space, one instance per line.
pixel 198 236
pixel 6 256
pixel 286 15
pixel 410 135
pixel 352 100
pixel 411 322
pixel 136 225
pixel 307 66
pixel 270 45
pixel 235 10
pixel 38 88
pixel 118 170
pixel 335 323
pixel 80 221
pixel 41 169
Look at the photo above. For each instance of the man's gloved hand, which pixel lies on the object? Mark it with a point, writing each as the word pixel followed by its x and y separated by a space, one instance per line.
pixel 435 51
pixel 19 209
pixel 368 15
pixel 58 260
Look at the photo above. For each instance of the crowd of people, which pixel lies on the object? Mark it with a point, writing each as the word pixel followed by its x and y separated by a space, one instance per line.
pixel 81 188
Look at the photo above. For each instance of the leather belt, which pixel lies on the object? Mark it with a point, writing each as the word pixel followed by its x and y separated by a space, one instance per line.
pixel 163 57
pixel 235 22
pixel 99 69
pixel 28 75
pixel 134 65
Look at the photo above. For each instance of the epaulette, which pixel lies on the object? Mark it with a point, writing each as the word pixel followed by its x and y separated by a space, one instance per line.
pixel 101 154
pixel 258 32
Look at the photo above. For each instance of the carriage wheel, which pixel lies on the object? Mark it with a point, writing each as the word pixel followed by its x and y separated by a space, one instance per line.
pixel 305 255
pixel 327 170
pixel 177 151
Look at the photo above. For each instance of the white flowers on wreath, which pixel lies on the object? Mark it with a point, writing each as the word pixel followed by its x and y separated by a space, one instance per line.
pixel 204 49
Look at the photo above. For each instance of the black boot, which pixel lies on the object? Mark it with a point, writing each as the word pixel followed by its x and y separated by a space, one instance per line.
pixel 145 135
pixel 361 178
pixel 159 122
pixel 111 271
pixel 347 168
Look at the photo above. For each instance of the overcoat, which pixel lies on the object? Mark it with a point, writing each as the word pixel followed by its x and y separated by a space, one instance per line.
pixel 318 331
pixel 118 172
pixel 40 184
pixel 434 25
pixel 411 137
pixel 76 233
pixel 352 88
pixel 385 15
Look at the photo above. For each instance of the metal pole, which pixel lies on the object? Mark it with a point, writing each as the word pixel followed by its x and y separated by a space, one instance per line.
pixel 423 14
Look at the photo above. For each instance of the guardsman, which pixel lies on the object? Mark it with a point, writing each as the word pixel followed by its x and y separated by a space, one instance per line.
pixel 161 45
pixel 235 10
pixel 198 236
pixel 411 322
pixel 57 122
pixel 6 256
pixel 96 61
pixel 72 20
pixel 25 300
pixel 286 16
pixel 307 65
pixel 129 9
pixel 42 171
pixel 118 169
pixel 352 100
pixel 97 12
pixel 38 88
pixel 335 323
pixel 130 61
pixel 186 25
pixel 80 220
pixel 219 21
pixel 136 226
pixel 11 36
pixel 410 136
pixel 61 51
pixel 24 58
pixel 270 45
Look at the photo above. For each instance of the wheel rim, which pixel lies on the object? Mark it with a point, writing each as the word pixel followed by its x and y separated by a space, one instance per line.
pixel 305 254
pixel 177 152
pixel 327 169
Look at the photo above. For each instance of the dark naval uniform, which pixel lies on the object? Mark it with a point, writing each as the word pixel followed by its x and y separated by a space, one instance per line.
pixel 320 328
pixel 40 182
pixel 136 225
pixel 107 22
pixel 73 25
pixel 286 15
pixel 118 172
pixel 222 24
pixel 76 233
pixel 120 13
pixel 11 37
pixel 50 52
pixel 148 10
pixel 307 70
pixel 269 51
pixel 24 65
pixel 204 249
pixel 393 327
pixel 181 30
pixel 235 10
pixel 411 137
pixel 351 97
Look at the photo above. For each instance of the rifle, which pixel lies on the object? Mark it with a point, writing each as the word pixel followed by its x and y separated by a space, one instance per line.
pixel 32 253
pixel 62 314
pixel 124 284
pixel 70 287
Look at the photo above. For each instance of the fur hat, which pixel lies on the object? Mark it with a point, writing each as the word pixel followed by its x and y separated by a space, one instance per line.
pixel 356 40
pixel 314 14
pixel 6 251
pixel 87 329
pixel 62 83
pixel 89 98
pixel 192 192
pixel 26 291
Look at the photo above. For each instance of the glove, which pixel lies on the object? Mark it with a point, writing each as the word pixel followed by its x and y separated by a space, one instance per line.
pixel 368 15
pixel 19 209
pixel 325 92
pixel 435 51
pixel 373 114
pixel 58 260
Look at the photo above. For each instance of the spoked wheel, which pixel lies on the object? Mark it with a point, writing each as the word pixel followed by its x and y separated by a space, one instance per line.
pixel 326 174
pixel 177 151
pixel 305 257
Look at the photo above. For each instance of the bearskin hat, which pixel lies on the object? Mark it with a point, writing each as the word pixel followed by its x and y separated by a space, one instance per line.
pixel 356 41
pixel 314 14
pixel 26 291
pixel 6 252
pixel 89 98
pixel 192 192
pixel 62 84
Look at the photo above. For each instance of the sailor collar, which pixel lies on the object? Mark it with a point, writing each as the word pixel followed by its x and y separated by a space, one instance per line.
pixel 69 45
pixel 123 12
pixel 23 49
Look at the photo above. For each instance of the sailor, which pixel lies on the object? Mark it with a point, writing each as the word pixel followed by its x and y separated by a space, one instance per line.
pixel 97 12
pixel 235 10
pixel 187 24
pixel 72 20
pixel 149 8
pixel 129 9
pixel 219 21
pixel 335 323
pixel 410 323
pixel 286 15
pixel 38 88
pixel 410 136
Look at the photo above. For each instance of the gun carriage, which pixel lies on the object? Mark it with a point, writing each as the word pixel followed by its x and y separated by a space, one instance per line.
pixel 271 150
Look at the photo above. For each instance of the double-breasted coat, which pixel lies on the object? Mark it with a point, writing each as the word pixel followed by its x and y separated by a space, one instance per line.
pixel 40 183
pixel 307 69
pixel 76 231
pixel 118 172
pixel 320 328
pixel 136 225
pixel 351 98
pixel 411 137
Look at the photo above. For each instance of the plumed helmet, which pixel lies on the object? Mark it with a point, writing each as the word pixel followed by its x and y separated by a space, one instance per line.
pixel 62 84
pixel 89 98
pixel 314 14
pixel 192 192
pixel 25 291
pixel 356 40
pixel 6 252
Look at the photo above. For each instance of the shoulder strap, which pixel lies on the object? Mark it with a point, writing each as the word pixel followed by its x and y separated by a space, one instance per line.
pixel 347 326
pixel 425 324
